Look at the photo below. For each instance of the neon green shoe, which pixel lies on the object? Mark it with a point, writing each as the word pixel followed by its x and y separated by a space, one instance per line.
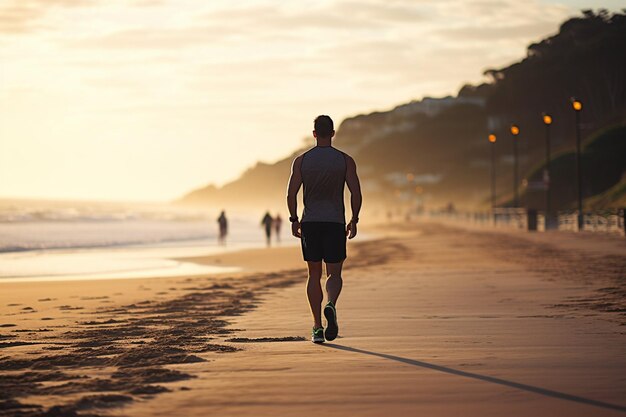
pixel 317 335
pixel 332 328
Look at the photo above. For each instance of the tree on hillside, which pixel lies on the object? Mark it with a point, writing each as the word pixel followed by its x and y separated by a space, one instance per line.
pixel 586 59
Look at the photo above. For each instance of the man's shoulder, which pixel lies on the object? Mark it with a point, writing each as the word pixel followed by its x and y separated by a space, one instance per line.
pixel 298 158
pixel 349 159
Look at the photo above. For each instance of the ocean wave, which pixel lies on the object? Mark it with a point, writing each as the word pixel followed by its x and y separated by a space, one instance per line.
pixel 14 211
pixel 69 216
pixel 56 245
pixel 36 226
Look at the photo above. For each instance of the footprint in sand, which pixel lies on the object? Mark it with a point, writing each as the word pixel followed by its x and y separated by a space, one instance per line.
pixel 267 339
pixel 68 307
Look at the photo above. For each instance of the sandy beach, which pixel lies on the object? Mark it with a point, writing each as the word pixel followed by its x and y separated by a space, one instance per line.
pixel 435 320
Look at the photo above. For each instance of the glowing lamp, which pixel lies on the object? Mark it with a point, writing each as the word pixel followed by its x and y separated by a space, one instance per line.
pixel 514 130
pixel 492 138
pixel 547 119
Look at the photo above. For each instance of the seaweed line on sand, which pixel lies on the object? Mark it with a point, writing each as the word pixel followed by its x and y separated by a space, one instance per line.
pixel 137 342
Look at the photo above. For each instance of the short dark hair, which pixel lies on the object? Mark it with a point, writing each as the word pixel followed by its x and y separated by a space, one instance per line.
pixel 324 126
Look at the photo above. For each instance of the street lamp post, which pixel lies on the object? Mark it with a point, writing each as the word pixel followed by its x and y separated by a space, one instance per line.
pixel 514 133
pixel 492 140
pixel 547 120
pixel 578 106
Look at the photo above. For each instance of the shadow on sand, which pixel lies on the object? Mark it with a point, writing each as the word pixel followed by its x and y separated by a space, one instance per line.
pixel 512 384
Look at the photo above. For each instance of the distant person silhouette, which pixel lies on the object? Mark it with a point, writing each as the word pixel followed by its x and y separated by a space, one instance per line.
pixel 223 228
pixel 323 171
pixel 278 224
pixel 267 222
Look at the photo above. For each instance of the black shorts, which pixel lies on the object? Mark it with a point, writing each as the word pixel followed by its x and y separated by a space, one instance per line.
pixel 323 241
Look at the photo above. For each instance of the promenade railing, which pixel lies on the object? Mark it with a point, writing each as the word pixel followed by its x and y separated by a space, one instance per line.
pixel 600 221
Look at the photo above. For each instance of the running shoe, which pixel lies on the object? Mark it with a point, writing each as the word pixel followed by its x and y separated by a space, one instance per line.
pixel 332 329
pixel 317 335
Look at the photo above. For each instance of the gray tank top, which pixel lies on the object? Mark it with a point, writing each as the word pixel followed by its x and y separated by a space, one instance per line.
pixel 323 177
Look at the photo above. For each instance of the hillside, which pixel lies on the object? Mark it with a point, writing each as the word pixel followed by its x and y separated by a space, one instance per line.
pixel 603 162
pixel 614 197
pixel 434 151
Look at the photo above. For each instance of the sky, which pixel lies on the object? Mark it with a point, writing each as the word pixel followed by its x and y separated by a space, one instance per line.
pixel 145 100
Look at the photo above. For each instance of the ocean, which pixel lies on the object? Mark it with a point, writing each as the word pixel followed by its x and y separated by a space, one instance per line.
pixel 64 240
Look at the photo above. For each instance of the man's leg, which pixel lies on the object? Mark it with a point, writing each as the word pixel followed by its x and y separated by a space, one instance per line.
pixel 333 288
pixel 334 282
pixel 314 291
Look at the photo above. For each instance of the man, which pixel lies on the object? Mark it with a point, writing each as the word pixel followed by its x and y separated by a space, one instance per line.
pixel 278 224
pixel 223 226
pixel 323 171
pixel 266 222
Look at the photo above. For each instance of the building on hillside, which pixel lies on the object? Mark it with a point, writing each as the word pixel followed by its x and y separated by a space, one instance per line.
pixel 431 106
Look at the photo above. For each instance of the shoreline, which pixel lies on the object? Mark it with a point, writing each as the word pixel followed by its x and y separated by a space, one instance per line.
pixel 119 262
pixel 73 335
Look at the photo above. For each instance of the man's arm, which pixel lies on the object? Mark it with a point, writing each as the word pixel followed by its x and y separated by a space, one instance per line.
pixel 356 199
pixel 295 182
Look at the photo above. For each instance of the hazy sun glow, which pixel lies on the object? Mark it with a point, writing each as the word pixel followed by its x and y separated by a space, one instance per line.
pixel 147 99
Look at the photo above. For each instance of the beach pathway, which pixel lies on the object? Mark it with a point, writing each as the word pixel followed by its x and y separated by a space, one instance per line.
pixel 445 322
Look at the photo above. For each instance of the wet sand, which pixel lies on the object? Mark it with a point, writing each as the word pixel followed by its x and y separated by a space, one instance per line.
pixel 434 320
